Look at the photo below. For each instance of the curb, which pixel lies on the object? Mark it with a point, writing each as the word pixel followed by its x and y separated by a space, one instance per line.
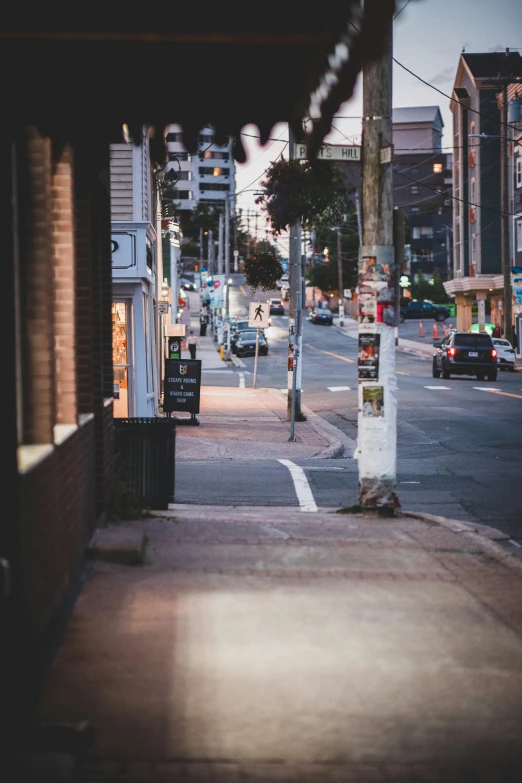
pixel 238 362
pixel 341 446
pixel 469 529
pixel 118 545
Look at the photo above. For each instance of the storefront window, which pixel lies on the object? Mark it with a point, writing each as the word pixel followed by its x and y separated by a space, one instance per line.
pixel 120 359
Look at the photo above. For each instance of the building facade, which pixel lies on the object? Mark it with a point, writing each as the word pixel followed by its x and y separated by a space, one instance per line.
pixel 477 199
pixel 422 182
pixel 135 275
pixel 206 176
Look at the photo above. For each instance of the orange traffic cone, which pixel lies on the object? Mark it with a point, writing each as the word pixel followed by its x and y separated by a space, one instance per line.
pixel 421 329
pixel 435 332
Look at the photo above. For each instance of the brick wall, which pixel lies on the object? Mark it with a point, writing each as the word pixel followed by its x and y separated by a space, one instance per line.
pixel 62 232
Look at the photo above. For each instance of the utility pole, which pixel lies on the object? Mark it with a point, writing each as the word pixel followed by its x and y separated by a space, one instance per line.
pixel 378 306
pixel 504 208
pixel 211 260
pixel 295 286
pixel 227 276
pixel 200 248
pixel 248 235
pixel 255 238
pixel 236 251
pixel 220 244
pixel 340 278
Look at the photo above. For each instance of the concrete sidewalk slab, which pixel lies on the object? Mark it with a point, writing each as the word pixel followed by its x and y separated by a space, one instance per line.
pixel 264 644
pixel 250 424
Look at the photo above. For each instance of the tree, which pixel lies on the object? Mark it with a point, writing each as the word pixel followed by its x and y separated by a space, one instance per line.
pixel 302 192
pixel 263 270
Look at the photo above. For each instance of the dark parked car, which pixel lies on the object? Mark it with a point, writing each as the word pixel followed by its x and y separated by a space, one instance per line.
pixel 276 307
pixel 321 315
pixel 422 309
pixel 465 353
pixel 245 344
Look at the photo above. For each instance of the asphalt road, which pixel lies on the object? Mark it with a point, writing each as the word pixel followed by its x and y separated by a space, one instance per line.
pixel 459 446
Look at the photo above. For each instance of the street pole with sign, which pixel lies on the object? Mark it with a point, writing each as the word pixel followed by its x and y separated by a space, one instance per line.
pixel 258 318
pixel 295 369
pixel 378 306
pixel 340 277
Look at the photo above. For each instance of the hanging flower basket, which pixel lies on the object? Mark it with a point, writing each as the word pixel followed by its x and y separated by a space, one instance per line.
pixel 263 270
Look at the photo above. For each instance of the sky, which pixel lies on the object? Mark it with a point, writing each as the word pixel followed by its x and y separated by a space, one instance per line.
pixel 429 36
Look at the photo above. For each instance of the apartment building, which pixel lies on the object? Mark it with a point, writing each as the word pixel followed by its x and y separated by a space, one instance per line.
pixel 207 175
pixel 477 201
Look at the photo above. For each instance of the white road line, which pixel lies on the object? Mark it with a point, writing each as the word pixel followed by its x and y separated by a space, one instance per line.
pixel 241 380
pixel 438 387
pixel 338 388
pixel 485 388
pixel 301 486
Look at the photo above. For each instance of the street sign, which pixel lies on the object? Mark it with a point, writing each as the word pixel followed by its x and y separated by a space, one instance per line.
pixel 163 308
pixel 182 385
pixel 350 152
pixel 174 348
pixel 347 293
pixel 259 315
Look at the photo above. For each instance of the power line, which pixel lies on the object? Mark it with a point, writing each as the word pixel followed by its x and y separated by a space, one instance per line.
pixel 454 100
pixel 455 198
pixel 401 9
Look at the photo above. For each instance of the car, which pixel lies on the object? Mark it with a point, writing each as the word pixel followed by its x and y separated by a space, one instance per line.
pixel 283 281
pixel 245 345
pixel 465 353
pixel 422 308
pixel 188 285
pixel 505 354
pixel 321 315
pixel 276 307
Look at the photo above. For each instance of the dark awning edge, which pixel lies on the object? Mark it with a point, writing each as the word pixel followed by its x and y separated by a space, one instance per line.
pixel 89 82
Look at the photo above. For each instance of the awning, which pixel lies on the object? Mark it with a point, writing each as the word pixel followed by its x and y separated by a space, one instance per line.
pixel 190 64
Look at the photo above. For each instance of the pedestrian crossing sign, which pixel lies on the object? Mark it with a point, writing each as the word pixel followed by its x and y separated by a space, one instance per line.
pixel 258 315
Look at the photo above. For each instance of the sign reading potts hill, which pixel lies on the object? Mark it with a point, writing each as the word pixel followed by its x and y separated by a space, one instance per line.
pixel 332 152
pixel 182 385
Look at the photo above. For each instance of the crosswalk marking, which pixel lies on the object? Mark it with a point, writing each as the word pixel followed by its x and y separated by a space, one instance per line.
pixel 438 387
pixel 338 388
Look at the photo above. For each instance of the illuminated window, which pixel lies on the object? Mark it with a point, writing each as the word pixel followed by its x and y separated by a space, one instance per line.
pixel 437 168
pixel 216 172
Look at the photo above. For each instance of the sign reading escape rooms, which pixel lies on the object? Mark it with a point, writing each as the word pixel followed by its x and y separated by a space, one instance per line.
pixel 182 385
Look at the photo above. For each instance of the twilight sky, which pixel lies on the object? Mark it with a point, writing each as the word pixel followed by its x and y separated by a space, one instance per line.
pixel 428 38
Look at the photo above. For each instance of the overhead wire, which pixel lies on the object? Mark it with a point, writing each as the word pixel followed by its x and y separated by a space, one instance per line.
pixel 454 100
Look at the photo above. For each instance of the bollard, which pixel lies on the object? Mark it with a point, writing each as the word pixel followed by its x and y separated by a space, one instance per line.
pixel 435 332
pixel 222 352
pixel 421 329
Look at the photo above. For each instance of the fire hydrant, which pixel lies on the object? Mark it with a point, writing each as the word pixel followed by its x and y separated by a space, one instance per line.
pixel 222 352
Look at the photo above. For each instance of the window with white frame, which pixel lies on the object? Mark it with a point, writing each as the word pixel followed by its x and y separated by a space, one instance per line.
pixel 519 235
pixel 518 171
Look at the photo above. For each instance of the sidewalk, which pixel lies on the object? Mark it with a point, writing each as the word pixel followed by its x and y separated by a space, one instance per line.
pixel 240 423
pixel 271 645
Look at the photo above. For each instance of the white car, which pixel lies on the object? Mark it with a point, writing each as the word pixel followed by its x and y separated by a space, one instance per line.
pixel 505 354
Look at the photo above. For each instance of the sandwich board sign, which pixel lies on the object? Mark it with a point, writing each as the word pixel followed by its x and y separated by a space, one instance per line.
pixel 258 315
pixel 182 385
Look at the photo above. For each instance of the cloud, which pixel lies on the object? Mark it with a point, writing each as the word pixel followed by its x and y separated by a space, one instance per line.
pixel 442 77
